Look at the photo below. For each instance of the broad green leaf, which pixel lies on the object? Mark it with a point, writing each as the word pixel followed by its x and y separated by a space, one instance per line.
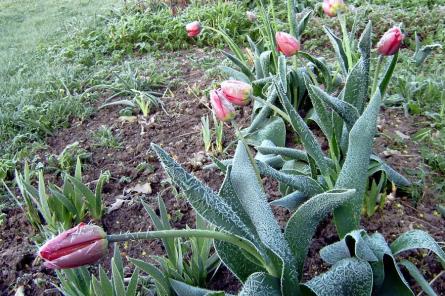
pixel 117 258
pixel 237 261
pixel 283 151
pixel 265 112
pixel 339 50
pixel 184 289
pixel 235 74
pixel 418 276
pixel 86 192
pixel 305 184
pixel 335 252
pixel 272 129
pixel 247 184
pixel 282 71
pixel 203 199
pixel 417 239
pixel 364 46
pixel 358 246
pixel 301 26
pixel 262 284
pixel 392 174
pixel 307 137
pixel 347 112
pixel 323 113
pixel 356 88
pixel 388 278
pixel 354 173
pixel 323 68
pixel 243 67
pixel 264 60
pixel 302 225
pixel 349 276
pixel 291 201
pixel 155 273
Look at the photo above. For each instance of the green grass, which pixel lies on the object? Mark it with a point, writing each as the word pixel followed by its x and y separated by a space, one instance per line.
pixel 35 89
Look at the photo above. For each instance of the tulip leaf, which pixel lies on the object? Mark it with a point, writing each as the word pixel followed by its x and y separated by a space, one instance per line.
pixel 265 112
pixel 133 284
pixel 272 129
pixel 243 67
pixel 392 174
pixel 203 199
pixel 237 260
pixel 349 276
pixel 335 252
pixel 418 276
pixel 295 154
pixel 417 239
pixel 326 74
pixel 354 173
pixel 305 184
pixel 117 277
pixel 290 201
pixel 282 71
pixel 184 289
pixel 324 116
pixel 302 225
pixel 247 184
pixel 388 278
pixel 307 137
pixel 356 87
pixel 105 283
pixel 235 74
pixel 261 284
pixel 162 282
pixel 339 50
pixel 264 61
pixel 346 111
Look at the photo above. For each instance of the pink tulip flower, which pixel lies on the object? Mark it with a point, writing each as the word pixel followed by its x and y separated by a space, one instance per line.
pixel 332 7
pixel 78 246
pixel 390 42
pixel 287 44
pixel 237 92
pixel 193 29
pixel 222 108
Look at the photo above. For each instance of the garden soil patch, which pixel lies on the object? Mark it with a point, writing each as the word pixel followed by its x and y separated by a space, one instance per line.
pixel 179 132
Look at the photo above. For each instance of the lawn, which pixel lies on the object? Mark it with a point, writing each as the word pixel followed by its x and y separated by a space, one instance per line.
pixel 222 147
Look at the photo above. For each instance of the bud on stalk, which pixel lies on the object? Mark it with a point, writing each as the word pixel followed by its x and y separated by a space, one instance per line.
pixel 222 108
pixel 287 44
pixel 390 42
pixel 237 92
pixel 332 7
pixel 193 29
pixel 78 246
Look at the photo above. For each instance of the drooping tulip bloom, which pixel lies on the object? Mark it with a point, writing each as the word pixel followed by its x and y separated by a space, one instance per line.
pixel 287 44
pixel 222 108
pixel 390 42
pixel 251 16
pixel 332 7
pixel 193 29
pixel 78 246
pixel 237 92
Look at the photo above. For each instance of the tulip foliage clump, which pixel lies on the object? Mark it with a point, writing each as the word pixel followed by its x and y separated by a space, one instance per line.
pixel 343 102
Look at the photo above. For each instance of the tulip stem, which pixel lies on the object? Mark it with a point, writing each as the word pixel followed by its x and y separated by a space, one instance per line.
pixel 273 107
pixel 376 75
pixel 175 233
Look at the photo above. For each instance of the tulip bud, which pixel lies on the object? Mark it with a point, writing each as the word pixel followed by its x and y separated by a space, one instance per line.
pixel 222 108
pixel 332 7
pixel 287 44
pixel 193 29
pixel 78 246
pixel 390 42
pixel 251 16
pixel 237 92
